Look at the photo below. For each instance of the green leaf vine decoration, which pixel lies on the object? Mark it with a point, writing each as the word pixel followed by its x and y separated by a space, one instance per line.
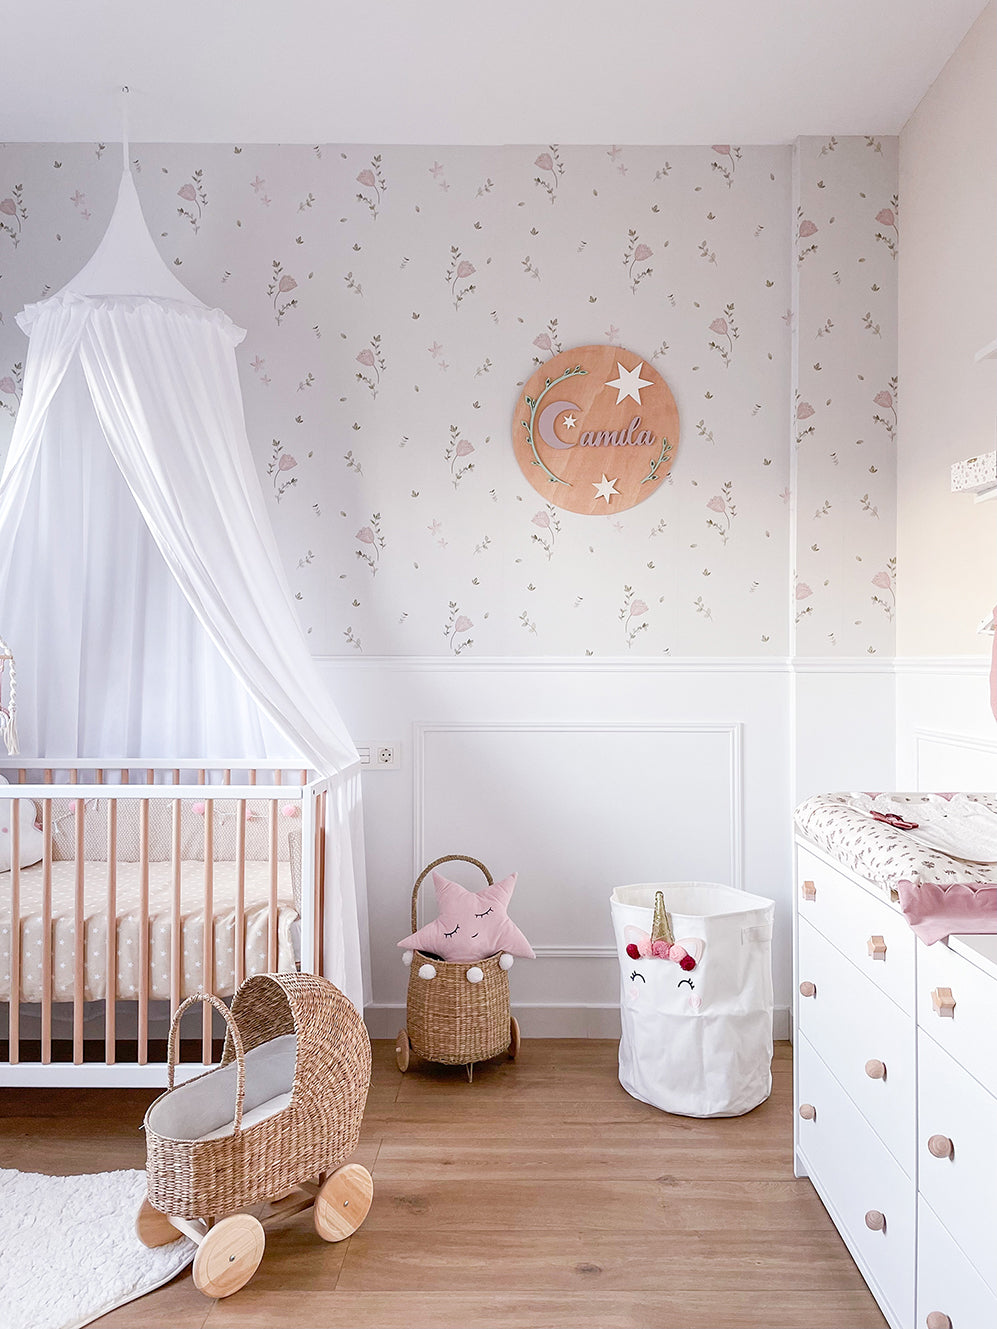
pixel 528 424
pixel 666 449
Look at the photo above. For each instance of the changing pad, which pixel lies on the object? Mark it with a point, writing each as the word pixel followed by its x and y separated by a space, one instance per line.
pixel 955 839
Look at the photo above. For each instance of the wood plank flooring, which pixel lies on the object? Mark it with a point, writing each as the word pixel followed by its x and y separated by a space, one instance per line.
pixel 541 1195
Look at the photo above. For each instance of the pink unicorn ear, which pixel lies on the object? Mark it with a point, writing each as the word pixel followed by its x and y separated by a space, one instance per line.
pixel 640 939
pixel 693 946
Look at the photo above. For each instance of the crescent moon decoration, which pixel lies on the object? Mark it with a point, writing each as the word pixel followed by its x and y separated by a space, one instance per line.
pixel 528 424
pixel 545 423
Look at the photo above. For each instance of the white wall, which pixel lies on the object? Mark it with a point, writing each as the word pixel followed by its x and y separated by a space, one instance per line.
pixel 948 310
pixel 558 735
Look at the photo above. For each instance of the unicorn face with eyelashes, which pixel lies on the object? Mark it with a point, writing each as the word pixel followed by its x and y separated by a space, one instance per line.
pixel 664 975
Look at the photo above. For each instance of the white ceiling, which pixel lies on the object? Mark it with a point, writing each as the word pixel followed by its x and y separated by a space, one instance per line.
pixel 442 71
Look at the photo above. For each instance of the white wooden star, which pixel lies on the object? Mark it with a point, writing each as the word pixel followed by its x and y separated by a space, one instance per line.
pixel 569 422
pixel 629 383
pixel 606 489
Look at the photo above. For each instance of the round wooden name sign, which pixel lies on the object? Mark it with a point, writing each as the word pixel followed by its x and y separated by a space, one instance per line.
pixel 596 430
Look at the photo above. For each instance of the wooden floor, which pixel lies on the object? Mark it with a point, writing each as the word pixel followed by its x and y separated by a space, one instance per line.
pixel 540 1195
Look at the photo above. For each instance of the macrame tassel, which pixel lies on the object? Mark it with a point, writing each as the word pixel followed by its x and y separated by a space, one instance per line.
pixel 8 713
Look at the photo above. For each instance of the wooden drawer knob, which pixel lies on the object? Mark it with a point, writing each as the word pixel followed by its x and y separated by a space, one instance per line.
pixel 808 1112
pixel 938 1320
pixel 809 891
pixel 808 989
pixel 877 947
pixel 876 1070
pixel 875 1221
pixel 940 1146
pixel 943 1002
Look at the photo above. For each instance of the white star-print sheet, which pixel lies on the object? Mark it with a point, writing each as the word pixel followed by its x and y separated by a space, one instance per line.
pixel 94 931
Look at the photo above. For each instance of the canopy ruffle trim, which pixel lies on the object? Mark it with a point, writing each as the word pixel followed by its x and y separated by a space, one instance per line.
pixel 29 315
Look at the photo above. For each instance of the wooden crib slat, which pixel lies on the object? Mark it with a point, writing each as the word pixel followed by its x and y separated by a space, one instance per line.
pixel 111 926
pixel 14 1006
pixel 79 937
pixel 239 938
pixel 46 928
pixel 143 933
pixel 272 903
pixel 252 776
pixel 208 933
pixel 176 937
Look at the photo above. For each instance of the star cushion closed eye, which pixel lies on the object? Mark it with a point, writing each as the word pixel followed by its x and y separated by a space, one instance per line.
pixel 471 924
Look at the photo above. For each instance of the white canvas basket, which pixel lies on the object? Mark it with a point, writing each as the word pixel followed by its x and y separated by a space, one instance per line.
pixel 697 1037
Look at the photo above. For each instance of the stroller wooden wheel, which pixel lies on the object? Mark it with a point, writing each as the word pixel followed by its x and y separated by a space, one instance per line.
pixel 515 1038
pixel 403 1051
pixel 229 1255
pixel 153 1228
pixel 342 1203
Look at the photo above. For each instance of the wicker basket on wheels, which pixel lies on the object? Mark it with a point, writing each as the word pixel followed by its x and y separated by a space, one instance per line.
pixel 272 1126
pixel 450 1019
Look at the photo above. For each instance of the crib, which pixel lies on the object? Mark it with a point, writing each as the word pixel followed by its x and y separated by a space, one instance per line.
pixel 151 882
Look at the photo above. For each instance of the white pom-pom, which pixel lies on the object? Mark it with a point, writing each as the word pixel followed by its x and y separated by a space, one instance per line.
pixel 474 974
pixel 406 958
pixel 506 961
pixel 427 971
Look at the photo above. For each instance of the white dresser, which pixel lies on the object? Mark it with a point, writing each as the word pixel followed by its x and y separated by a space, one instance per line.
pixel 896 1096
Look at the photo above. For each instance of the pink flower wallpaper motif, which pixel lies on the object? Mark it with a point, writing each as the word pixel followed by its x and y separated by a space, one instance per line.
pixel 395 299
pixel 846 469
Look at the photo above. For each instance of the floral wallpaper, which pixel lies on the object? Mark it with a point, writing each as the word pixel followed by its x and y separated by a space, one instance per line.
pixel 845 395
pixel 396 299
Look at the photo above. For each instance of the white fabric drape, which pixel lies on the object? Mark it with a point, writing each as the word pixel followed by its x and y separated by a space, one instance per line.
pixel 140 583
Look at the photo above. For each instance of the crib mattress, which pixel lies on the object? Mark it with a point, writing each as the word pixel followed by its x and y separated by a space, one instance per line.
pixel 955 839
pixel 222 981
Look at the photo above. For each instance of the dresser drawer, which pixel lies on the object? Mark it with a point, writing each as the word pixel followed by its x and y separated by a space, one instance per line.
pixel 969 1028
pixel 866 1041
pixel 947 1284
pixel 961 1187
pixel 858 1178
pixel 858 924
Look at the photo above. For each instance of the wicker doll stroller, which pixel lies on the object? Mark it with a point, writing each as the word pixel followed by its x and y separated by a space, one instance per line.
pixel 296 1067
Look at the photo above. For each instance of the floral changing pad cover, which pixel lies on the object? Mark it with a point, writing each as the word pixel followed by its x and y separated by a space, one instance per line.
pixel 918 837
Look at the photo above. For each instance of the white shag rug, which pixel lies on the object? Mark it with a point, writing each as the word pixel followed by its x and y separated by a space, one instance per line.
pixel 68 1249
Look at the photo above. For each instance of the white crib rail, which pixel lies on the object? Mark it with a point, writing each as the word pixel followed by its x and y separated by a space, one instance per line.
pixel 166 787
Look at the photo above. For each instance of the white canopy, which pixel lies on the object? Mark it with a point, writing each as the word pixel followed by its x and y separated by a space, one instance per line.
pixel 138 569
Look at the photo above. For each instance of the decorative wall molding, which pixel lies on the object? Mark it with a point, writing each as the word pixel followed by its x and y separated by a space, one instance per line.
pixel 423 730
pixel 942 738
pixel 546 1019
pixel 608 664
pixel 942 664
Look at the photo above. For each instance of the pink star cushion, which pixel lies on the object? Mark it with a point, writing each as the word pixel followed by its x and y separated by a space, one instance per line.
pixel 471 924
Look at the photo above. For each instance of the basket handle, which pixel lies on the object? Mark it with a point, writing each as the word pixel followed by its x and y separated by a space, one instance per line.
pixel 447 858
pixel 233 1028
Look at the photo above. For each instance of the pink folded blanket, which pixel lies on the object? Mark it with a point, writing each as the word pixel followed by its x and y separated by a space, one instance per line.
pixel 935 911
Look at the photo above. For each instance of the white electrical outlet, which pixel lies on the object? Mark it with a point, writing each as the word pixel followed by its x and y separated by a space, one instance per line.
pixel 379 756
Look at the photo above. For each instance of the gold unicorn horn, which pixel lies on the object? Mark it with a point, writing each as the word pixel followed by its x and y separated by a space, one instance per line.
pixel 661 928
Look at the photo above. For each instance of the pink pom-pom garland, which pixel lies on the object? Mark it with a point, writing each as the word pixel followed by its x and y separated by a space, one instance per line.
pixel 290 810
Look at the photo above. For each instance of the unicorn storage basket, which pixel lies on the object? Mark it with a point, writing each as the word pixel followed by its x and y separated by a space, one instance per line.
pixel 450 1017
pixel 695 996
pixel 275 1122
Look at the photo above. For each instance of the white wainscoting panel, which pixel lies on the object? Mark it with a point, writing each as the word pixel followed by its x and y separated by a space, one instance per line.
pixel 946 732
pixel 582 774
pixel 954 762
